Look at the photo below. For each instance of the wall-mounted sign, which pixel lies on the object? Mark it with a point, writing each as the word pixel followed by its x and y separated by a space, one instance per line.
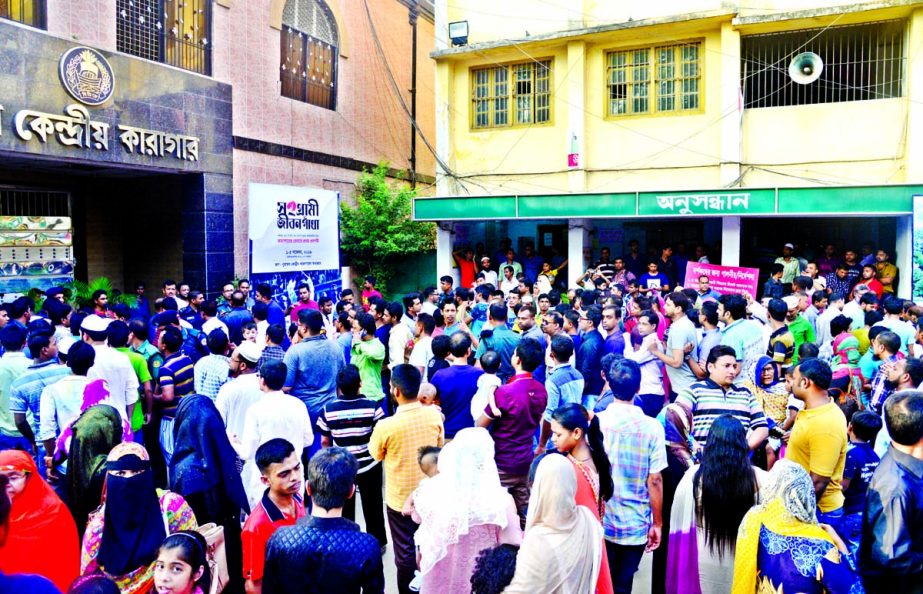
pixel 706 203
pixel 86 75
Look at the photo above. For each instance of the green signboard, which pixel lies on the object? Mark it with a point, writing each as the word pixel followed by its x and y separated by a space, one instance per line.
pixel 577 205
pixel 853 200
pixel 474 208
pixel 713 203
pixel 819 201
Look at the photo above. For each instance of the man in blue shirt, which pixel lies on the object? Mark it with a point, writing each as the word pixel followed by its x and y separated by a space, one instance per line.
pixel 652 280
pixel 237 317
pixel 312 366
pixel 276 314
pixel 500 339
pixel 564 384
pixel 456 386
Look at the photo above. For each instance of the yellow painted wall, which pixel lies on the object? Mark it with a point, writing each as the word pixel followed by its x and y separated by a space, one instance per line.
pixel 862 142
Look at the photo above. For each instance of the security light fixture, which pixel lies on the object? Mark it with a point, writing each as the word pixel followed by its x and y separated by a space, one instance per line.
pixel 458 32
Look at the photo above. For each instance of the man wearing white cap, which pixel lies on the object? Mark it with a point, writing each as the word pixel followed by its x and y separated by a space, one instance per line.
pixel 790 264
pixel 111 365
pixel 235 397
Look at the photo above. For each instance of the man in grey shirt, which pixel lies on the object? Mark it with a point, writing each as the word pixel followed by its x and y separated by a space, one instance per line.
pixel 681 333
pixel 312 366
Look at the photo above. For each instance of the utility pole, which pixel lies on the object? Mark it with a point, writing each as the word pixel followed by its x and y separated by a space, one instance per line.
pixel 414 11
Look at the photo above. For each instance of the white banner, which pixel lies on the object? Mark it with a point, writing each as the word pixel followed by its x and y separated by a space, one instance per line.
pixel 293 229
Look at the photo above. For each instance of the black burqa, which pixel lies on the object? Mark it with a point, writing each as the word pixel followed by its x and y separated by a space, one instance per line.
pixel 133 527
pixel 204 471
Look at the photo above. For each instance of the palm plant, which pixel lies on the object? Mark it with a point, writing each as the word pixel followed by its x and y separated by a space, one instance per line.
pixel 80 294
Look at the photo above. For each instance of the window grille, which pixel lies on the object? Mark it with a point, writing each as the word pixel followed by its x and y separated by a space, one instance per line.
pixel 525 86
pixel 27 12
pixel 309 53
pixel 654 80
pixel 174 32
pixel 861 62
pixel 16 202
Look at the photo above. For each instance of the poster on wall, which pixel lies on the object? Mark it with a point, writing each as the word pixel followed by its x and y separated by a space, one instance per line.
pixel 294 237
pixel 917 278
pixel 727 280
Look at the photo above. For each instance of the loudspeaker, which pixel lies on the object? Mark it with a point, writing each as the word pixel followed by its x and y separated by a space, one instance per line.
pixel 805 68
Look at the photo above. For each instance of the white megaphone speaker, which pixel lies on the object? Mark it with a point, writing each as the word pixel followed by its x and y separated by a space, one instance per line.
pixel 805 68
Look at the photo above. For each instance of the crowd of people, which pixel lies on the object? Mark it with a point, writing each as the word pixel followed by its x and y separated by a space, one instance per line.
pixel 500 434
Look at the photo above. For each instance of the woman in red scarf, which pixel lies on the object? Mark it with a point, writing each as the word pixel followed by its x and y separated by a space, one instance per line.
pixel 42 537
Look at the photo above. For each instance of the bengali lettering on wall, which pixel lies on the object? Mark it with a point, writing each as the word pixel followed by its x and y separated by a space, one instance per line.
pixel 77 130
pixel 739 202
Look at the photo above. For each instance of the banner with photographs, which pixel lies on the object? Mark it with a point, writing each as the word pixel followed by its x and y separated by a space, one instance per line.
pixel 294 238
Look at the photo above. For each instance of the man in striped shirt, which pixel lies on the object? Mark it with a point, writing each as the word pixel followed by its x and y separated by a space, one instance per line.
pixel 348 423
pixel 176 380
pixel 718 395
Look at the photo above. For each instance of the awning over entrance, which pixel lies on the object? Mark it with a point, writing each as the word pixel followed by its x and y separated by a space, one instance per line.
pixel 891 200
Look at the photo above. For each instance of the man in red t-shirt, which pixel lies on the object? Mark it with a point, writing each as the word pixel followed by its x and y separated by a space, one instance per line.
pixel 466 267
pixel 282 505
pixel 369 292
pixel 304 302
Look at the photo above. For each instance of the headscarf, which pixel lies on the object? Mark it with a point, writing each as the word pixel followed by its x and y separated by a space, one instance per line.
pixel 95 432
pixel 133 522
pixel 677 427
pixel 787 508
pixel 758 368
pixel 42 537
pixel 792 486
pixel 94 393
pixel 562 547
pixel 465 493
pixel 203 458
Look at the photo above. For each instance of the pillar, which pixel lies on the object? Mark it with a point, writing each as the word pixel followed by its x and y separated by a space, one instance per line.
pixel 444 263
pixel 913 152
pixel 903 257
pixel 208 232
pixel 576 115
pixel 730 241
pixel 730 93
pixel 578 234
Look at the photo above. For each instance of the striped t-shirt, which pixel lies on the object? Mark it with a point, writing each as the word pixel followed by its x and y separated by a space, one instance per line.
pixel 349 423
pixel 709 401
pixel 177 371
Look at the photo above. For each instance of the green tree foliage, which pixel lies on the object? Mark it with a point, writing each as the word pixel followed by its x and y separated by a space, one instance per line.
pixel 378 233
pixel 80 294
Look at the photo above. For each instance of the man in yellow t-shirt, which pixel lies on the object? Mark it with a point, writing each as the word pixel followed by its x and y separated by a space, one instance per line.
pixel 887 272
pixel 818 440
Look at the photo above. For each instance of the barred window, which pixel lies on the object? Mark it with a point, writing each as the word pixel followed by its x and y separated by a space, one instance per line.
pixel 27 12
pixel 174 32
pixel 861 62
pixel 309 53
pixel 660 79
pixel 526 87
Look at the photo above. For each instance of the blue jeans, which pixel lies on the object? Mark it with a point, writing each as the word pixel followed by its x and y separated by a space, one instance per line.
pixel 835 519
pixel 623 564
pixel 852 526
pixel 18 442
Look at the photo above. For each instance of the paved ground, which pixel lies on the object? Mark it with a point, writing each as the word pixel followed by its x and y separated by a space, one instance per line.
pixel 642 583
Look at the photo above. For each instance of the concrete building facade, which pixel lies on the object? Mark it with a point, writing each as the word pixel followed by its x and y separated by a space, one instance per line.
pixel 591 124
pixel 293 92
